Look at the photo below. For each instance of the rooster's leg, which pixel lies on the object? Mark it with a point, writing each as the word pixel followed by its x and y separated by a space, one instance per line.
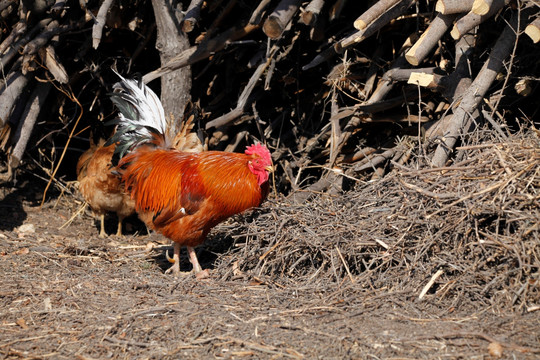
pixel 119 231
pixel 175 269
pixel 197 269
pixel 102 232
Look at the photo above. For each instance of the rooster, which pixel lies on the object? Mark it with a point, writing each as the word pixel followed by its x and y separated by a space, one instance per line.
pixel 179 194
pixel 101 187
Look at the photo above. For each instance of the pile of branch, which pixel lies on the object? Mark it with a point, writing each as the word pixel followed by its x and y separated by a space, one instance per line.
pixel 339 91
pixel 472 229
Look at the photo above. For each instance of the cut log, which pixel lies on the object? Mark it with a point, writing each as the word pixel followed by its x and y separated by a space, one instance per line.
pixel 431 36
pixel 379 8
pixel 279 19
pixel 375 26
pixel 533 30
pixel 453 6
pixel 475 93
pixel 471 20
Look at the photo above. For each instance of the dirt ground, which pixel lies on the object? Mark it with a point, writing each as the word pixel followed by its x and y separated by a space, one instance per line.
pixel 418 265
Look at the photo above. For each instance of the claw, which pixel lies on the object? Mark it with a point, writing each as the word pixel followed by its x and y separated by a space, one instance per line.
pixel 169 259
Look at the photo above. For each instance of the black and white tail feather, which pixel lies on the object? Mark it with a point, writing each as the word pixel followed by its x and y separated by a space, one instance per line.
pixel 140 119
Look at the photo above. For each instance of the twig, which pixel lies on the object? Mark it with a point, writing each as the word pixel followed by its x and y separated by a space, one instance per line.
pixel 345 265
pixel 430 284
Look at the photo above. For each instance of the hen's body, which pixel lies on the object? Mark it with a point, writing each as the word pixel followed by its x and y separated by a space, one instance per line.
pixel 101 188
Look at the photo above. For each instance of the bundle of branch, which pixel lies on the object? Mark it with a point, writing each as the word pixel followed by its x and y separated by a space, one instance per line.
pixel 336 89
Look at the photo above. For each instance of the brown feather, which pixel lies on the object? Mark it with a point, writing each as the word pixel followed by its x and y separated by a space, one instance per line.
pixel 189 193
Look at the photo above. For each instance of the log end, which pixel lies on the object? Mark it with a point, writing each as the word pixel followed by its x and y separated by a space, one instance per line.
pixel 411 58
pixel 534 32
pixel 273 28
pixel 188 25
pixel 307 18
pixel 360 24
pixel 455 33
pixel 439 6
pixel 480 7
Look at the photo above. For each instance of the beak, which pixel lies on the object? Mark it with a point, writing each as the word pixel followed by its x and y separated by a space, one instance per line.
pixel 270 169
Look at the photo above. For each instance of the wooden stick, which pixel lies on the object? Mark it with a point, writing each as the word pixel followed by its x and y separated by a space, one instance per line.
pixel 430 284
pixel 311 12
pixel 431 36
pixel 533 30
pixel 97 29
pixel 193 15
pixel 12 89
pixel 476 91
pixel 453 6
pixel 198 53
pixel 375 26
pixel 379 8
pixel 279 19
pixel 471 20
pixel 26 126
